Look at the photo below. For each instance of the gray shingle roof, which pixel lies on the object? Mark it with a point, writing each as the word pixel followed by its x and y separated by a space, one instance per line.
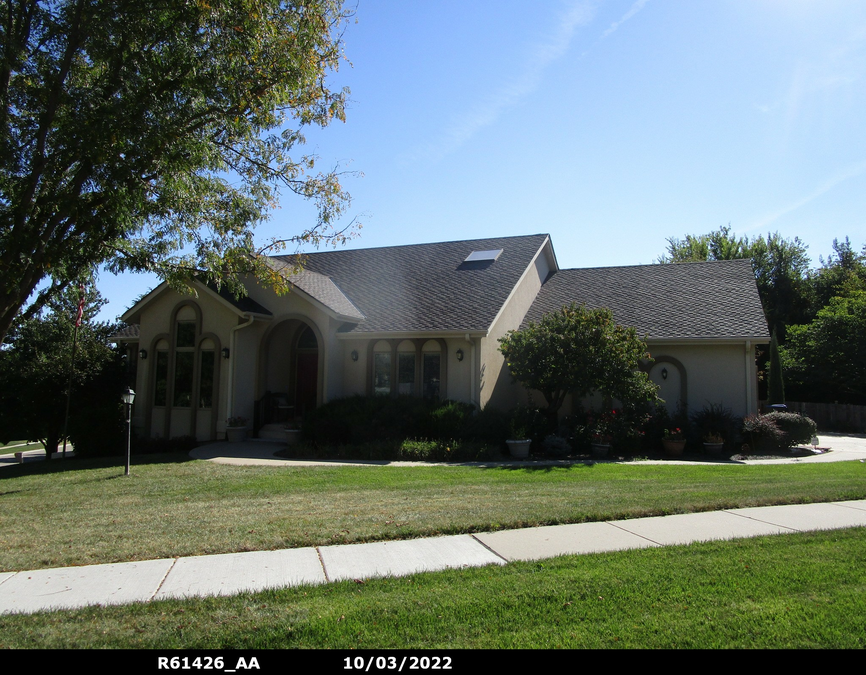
pixel 130 332
pixel 323 289
pixel 244 304
pixel 427 287
pixel 675 301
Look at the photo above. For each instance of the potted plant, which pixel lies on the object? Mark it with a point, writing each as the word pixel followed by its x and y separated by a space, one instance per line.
pixel 674 442
pixel 602 433
pixel 236 429
pixel 519 440
pixel 714 443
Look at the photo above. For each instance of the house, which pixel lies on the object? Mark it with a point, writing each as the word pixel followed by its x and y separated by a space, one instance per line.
pixel 424 320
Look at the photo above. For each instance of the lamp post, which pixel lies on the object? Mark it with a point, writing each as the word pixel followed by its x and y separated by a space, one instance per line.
pixel 128 398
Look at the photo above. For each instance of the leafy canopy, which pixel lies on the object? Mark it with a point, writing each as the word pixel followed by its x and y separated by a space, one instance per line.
pixel 827 357
pixel 579 350
pixel 154 136
pixel 35 371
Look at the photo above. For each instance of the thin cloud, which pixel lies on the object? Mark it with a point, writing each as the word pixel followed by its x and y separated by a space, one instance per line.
pixel 635 8
pixel 851 171
pixel 540 58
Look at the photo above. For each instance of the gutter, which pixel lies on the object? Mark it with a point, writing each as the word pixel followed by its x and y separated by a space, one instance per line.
pixel 232 342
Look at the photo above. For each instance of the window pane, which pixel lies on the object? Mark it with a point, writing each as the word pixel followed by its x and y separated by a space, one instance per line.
pixel 185 334
pixel 431 376
pixel 381 373
pixel 205 390
pixel 160 386
pixel 406 374
pixel 183 363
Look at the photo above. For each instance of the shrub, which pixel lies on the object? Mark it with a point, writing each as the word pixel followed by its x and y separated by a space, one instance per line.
pixel 556 446
pixel 762 433
pixel 795 428
pixel 715 420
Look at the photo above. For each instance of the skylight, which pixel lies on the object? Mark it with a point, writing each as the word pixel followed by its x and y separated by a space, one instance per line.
pixel 478 256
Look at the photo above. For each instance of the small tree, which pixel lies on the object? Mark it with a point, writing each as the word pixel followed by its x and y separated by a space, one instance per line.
pixel 34 372
pixel 581 351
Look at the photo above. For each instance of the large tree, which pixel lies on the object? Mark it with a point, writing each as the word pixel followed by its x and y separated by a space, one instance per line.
pixel 152 135
pixel 579 350
pixel 825 360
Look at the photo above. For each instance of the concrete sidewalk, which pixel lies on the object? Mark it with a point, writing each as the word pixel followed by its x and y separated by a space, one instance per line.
pixel 228 574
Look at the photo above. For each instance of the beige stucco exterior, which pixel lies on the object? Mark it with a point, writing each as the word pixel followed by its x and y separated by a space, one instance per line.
pixel 268 352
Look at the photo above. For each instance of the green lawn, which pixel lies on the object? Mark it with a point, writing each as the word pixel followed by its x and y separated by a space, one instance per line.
pixel 77 512
pixel 785 591
pixel 19 446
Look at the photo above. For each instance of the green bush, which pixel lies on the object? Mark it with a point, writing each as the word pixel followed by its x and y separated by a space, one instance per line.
pixel 795 428
pixel 715 420
pixel 762 433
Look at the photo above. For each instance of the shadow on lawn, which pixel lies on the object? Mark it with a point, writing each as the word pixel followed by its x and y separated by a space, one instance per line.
pixel 57 465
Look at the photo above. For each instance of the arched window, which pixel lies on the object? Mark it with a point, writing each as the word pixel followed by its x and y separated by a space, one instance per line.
pixel 431 356
pixel 382 368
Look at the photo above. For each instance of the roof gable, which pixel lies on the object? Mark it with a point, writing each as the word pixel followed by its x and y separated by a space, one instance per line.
pixel 704 300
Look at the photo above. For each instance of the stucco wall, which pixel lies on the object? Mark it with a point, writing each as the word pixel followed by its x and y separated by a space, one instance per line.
pixel 495 386
pixel 155 321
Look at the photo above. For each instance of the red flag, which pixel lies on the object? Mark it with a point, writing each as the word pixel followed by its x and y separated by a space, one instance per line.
pixel 80 307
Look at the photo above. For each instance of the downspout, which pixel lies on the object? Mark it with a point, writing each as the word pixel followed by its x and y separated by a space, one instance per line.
pixel 750 364
pixel 473 373
pixel 232 342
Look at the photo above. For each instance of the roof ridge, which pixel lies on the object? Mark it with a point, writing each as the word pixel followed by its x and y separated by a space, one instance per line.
pixel 429 243
pixel 656 264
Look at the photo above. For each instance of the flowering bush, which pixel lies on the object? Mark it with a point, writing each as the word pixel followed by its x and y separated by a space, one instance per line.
pixel 675 434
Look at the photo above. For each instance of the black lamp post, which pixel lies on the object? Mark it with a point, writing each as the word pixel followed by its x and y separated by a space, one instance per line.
pixel 128 398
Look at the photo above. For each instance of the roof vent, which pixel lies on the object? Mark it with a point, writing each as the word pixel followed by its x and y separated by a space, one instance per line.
pixel 479 256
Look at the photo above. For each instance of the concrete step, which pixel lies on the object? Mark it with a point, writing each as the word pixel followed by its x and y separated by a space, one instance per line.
pixel 274 430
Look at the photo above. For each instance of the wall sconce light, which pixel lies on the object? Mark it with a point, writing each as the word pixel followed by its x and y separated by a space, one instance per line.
pixel 226 352
pixel 664 373
pixel 354 355
pixel 142 354
pixel 459 354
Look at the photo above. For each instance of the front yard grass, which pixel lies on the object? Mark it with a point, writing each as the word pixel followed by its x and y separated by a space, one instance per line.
pixel 79 512
pixel 784 591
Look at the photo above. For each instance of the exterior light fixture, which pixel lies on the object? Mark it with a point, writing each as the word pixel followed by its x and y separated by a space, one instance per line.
pixel 128 398
pixel 459 354
pixel 226 352
pixel 142 354
pixel 664 373
pixel 354 355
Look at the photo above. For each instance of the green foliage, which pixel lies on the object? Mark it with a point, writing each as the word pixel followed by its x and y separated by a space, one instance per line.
pixel 843 273
pixel 826 359
pixel 776 389
pixel 155 135
pixel 715 420
pixel 796 429
pixel 762 433
pixel 34 375
pixel 579 350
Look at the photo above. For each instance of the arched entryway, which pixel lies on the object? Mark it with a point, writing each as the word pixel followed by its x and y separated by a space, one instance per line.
pixel 306 371
pixel 290 373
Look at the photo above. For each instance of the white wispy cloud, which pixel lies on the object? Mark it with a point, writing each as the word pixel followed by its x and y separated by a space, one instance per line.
pixel 634 9
pixel 851 171
pixel 540 57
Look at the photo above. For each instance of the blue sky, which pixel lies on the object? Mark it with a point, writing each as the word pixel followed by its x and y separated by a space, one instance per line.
pixel 611 125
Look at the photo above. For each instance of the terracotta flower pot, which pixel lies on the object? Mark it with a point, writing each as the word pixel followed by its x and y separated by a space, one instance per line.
pixel 674 448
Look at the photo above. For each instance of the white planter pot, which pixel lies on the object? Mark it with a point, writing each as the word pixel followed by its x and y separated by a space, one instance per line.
pixel 236 434
pixel 519 449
